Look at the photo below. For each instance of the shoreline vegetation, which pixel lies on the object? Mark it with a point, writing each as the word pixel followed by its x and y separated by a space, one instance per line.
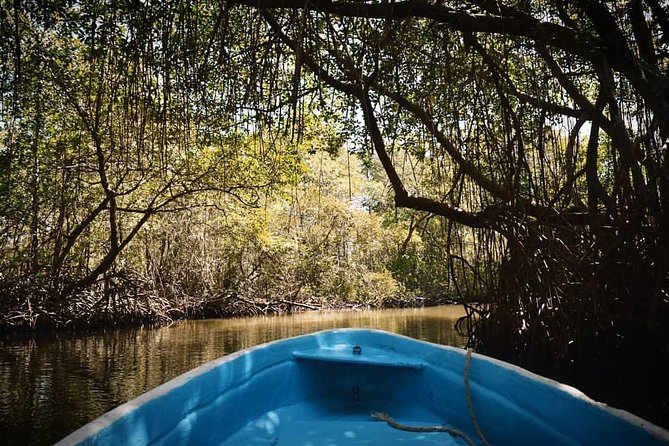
pixel 103 320
pixel 93 312
pixel 331 238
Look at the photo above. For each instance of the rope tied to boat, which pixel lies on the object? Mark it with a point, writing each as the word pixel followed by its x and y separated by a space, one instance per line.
pixel 470 403
pixel 382 416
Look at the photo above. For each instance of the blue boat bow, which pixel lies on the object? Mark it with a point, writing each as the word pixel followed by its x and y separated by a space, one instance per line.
pixel 323 389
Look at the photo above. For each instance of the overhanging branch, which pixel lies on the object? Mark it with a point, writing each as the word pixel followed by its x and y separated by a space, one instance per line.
pixel 402 198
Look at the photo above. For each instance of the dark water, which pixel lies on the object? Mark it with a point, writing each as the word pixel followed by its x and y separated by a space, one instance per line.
pixel 50 386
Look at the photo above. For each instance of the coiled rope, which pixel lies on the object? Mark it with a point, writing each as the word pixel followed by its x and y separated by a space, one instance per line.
pixel 382 416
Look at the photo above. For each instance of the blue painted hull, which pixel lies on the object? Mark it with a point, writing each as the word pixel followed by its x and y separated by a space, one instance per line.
pixel 316 390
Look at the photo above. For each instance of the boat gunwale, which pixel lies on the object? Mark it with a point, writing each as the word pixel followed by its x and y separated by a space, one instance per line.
pixel 97 425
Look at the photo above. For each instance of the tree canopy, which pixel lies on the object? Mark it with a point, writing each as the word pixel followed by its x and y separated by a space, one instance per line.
pixel 545 127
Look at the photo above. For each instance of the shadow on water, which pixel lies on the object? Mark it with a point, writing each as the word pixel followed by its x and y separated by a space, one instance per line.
pixel 50 386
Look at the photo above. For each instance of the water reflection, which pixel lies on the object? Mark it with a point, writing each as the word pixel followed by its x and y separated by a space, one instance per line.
pixel 51 386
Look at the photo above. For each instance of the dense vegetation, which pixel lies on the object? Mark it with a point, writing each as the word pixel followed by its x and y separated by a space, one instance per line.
pixel 161 159
pixel 141 180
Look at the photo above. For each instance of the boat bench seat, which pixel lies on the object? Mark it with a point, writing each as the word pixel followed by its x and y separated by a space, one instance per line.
pixel 367 356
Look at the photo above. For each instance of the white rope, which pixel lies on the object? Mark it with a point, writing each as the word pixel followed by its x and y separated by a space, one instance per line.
pixel 382 416
pixel 470 403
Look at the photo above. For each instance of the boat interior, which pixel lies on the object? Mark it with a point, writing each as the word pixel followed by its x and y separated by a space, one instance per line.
pixel 325 389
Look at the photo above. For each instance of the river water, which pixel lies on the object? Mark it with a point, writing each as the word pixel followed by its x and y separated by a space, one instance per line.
pixel 50 386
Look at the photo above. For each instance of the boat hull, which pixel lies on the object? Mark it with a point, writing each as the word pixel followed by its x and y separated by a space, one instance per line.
pixel 321 388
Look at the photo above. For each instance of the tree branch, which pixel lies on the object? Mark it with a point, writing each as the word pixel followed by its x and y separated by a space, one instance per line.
pixel 402 198
pixel 516 25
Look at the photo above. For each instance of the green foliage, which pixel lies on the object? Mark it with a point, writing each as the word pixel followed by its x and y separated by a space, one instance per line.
pixel 112 117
